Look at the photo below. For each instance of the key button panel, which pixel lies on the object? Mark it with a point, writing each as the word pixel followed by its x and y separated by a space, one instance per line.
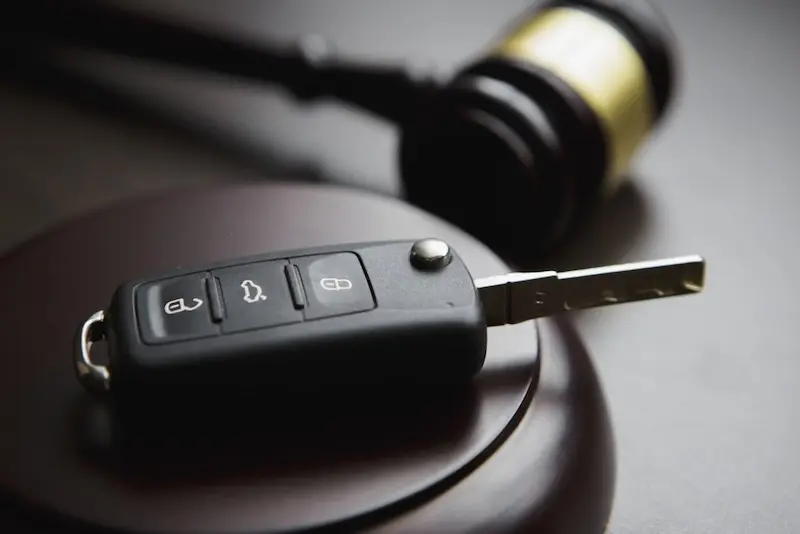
pixel 335 284
pixel 252 296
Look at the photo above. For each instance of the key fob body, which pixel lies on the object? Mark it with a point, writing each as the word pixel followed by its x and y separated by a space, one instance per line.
pixel 345 315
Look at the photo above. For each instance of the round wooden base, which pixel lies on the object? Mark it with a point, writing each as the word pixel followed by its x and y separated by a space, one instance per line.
pixel 528 446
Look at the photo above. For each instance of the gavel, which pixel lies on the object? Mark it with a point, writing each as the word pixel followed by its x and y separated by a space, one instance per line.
pixel 514 147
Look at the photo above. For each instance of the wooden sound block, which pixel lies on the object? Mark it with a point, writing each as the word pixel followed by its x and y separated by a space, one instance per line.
pixel 527 448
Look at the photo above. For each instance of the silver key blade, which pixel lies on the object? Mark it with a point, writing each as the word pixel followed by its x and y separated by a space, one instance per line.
pixel 517 297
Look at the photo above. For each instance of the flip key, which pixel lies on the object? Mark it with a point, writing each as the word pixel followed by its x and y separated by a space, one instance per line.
pixel 364 313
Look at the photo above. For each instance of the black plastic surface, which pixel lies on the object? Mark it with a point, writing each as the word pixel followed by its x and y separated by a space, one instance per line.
pixel 174 309
pixel 256 296
pixel 215 299
pixel 426 327
pixel 335 284
pixel 295 286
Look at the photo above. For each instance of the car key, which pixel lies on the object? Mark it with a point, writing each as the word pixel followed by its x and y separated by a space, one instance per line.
pixel 367 313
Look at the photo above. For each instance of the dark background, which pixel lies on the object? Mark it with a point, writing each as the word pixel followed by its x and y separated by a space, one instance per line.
pixel 701 390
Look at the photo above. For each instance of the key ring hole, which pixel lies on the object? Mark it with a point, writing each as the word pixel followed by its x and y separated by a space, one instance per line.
pixel 96 345
pixel 92 374
pixel 98 351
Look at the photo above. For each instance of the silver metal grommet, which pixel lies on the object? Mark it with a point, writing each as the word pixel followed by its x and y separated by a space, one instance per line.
pixel 92 376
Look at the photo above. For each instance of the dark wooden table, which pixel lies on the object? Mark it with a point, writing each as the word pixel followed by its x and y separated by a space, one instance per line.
pixel 701 391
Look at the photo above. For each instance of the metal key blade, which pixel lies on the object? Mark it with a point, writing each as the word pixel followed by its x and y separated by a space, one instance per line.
pixel 518 297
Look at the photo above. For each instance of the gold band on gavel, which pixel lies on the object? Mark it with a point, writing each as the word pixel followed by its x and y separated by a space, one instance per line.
pixel 601 66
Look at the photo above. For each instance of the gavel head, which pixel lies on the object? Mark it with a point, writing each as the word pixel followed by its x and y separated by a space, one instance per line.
pixel 519 143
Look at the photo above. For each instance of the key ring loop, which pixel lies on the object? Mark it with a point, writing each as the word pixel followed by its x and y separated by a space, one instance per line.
pixel 92 376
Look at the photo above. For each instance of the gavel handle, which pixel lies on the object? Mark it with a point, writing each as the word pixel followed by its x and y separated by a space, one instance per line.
pixel 308 70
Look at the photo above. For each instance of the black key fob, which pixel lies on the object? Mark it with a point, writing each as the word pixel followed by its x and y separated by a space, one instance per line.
pixel 338 316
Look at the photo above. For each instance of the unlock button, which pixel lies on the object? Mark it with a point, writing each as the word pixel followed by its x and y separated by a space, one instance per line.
pixel 335 285
pixel 175 309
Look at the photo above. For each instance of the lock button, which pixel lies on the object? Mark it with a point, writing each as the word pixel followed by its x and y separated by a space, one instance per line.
pixel 335 284
pixel 175 309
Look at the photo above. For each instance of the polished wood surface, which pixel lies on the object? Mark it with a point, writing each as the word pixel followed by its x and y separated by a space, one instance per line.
pixel 528 447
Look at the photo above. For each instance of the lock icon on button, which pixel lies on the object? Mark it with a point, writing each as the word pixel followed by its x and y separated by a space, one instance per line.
pixel 336 284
